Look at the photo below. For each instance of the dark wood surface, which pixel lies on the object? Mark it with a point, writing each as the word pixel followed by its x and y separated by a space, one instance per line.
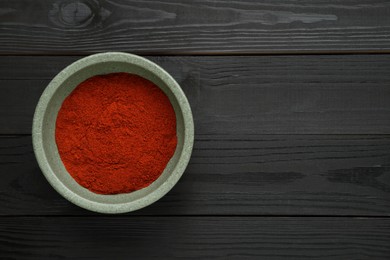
pixel 195 238
pixel 311 94
pixel 336 175
pixel 197 27
pixel 291 102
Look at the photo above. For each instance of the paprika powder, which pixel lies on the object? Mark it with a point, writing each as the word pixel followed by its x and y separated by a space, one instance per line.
pixel 116 133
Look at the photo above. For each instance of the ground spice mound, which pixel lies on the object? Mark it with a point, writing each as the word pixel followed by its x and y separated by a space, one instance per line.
pixel 116 133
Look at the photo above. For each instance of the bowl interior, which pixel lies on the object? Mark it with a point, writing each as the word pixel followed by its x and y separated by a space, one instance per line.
pixel 48 132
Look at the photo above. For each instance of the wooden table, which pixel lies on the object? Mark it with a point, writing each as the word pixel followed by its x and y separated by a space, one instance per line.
pixel 291 102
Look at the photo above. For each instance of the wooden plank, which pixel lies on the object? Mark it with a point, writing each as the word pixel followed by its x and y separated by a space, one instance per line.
pixel 331 94
pixel 194 238
pixel 236 175
pixel 17 104
pixel 193 27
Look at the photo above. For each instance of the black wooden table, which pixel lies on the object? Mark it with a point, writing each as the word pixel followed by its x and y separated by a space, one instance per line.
pixel 291 102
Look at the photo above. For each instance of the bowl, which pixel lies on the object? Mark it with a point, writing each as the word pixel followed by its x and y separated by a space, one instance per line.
pixel 44 122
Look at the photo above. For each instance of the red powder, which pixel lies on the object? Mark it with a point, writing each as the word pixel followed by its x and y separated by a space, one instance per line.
pixel 116 133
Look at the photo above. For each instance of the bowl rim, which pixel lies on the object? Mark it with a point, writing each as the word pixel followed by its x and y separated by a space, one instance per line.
pixel 160 191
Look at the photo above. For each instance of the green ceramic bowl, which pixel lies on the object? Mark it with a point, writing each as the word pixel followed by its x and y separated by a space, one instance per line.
pixel 45 147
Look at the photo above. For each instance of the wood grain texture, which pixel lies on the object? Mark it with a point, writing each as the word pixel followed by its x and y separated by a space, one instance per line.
pixel 330 94
pixel 193 27
pixel 194 238
pixel 236 175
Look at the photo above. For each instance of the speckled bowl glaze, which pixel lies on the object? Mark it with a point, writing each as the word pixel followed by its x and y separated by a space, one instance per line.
pixel 43 132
